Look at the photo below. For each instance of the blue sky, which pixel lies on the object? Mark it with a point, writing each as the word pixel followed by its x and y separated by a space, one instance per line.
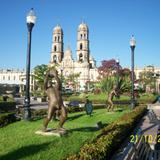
pixel 111 24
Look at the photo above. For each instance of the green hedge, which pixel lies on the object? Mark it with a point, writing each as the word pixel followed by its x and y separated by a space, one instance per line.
pixel 7 106
pixel 39 113
pixel 6 118
pixel 147 99
pixel 8 99
pixel 142 100
pixel 111 137
pixel 101 99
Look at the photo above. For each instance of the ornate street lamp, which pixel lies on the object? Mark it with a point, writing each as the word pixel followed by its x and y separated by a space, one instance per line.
pixel 30 19
pixel 61 78
pixel 132 45
pixel 117 64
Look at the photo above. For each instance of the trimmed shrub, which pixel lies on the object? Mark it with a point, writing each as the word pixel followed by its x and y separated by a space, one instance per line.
pixel 7 106
pixel 6 118
pixel 39 113
pixel 111 137
pixel 147 98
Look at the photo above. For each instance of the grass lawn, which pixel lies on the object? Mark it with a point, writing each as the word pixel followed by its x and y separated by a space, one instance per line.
pixel 19 141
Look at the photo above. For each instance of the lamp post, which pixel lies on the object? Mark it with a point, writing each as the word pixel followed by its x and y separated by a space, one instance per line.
pixel 117 85
pixel 61 78
pixel 132 45
pixel 30 19
pixel 117 63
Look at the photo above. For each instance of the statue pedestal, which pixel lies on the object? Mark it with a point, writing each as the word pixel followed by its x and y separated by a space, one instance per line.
pixel 52 132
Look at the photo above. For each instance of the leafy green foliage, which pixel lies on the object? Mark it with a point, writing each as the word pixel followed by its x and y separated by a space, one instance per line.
pixel 147 78
pixel 6 118
pixel 7 106
pixel 146 98
pixel 39 75
pixel 72 80
pixel 124 84
pixel 107 83
pixel 120 78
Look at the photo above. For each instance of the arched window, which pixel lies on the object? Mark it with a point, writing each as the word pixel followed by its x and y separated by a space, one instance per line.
pixel 55 59
pixel 81 46
pixel 55 38
pixel 14 77
pixel 55 48
pixel 81 36
pixel 81 57
pixel 3 77
pixel 8 77
pixel 84 36
pixel 58 38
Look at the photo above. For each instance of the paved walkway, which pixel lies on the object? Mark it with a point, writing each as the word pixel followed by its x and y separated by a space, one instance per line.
pixel 151 129
pixel 34 104
pixel 143 128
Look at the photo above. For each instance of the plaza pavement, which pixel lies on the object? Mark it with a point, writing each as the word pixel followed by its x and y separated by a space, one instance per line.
pixel 34 104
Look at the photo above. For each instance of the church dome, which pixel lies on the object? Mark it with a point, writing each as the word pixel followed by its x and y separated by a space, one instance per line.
pixel 83 26
pixel 58 29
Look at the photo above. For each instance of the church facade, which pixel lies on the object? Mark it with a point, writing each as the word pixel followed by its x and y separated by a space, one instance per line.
pixel 84 65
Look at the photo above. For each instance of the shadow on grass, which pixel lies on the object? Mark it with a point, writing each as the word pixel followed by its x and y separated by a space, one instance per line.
pixel 24 152
pixel 85 129
pixel 88 129
pixel 75 117
pixel 37 118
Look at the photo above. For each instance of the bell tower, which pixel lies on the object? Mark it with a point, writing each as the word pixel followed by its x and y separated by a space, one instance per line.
pixel 83 43
pixel 57 45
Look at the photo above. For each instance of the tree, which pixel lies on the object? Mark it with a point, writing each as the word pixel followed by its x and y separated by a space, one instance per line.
pixel 72 80
pixel 107 83
pixel 147 78
pixel 123 83
pixel 39 75
pixel 108 67
pixel 125 80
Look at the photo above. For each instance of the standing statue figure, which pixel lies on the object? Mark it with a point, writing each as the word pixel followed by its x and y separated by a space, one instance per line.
pixel 55 101
pixel 110 98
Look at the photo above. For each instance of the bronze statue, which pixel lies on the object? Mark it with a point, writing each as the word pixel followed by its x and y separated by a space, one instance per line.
pixel 110 98
pixel 55 101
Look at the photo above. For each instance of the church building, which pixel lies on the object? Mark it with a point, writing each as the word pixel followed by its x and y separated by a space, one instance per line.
pixel 84 65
